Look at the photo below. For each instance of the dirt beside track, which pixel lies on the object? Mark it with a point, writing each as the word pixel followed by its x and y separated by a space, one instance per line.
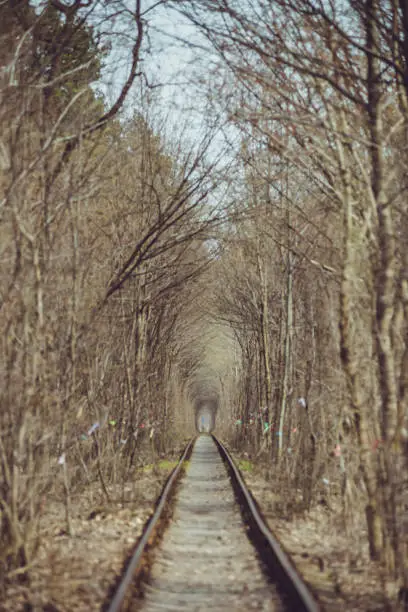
pixel 333 560
pixel 76 572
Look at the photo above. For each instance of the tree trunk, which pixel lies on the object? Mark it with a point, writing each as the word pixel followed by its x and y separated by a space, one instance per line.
pixel 385 268
pixel 264 323
pixel 350 365
pixel 287 351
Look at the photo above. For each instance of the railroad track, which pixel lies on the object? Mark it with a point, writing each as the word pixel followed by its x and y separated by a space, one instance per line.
pixel 215 553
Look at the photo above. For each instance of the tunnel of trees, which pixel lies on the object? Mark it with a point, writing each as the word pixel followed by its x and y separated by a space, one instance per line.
pixel 255 267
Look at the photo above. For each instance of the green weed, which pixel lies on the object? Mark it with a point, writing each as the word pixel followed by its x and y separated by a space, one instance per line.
pixel 245 465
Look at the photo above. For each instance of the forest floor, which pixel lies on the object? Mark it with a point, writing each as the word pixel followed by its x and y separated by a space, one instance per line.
pixel 331 556
pixel 77 572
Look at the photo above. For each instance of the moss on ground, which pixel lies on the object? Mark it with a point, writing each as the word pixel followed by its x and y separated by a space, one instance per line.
pixel 245 465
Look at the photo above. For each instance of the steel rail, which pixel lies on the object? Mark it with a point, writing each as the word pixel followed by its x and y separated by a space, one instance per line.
pixel 126 581
pixel 296 594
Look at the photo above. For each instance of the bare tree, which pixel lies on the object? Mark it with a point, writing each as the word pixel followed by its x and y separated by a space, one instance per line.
pixel 102 228
pixel 324 88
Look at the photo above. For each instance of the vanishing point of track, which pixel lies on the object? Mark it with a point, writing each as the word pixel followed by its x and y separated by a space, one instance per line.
pixel 216 553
